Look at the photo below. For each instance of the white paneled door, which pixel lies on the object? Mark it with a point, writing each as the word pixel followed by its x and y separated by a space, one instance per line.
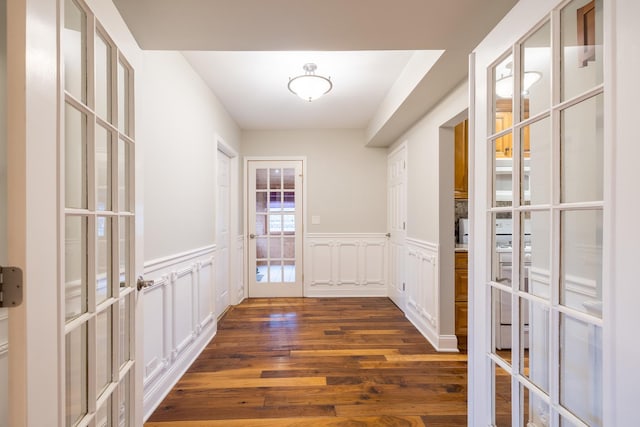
pixel 397 222
pixel 223 235
pixel 275 228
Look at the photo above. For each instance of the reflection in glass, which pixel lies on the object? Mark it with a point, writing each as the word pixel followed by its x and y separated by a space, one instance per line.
pixel 502 255
pixel 535 160
pixel 261 179
pixel 275 271
pixel 75 266
pixel 289 178
pixel 261 248
pixel 262 273
pixel 76 374
pixel 275 179
pixel 535 272
pixel 275 247
pixel 501 301
pixel 261 202
pixel 261 225
pixel 534 342
pixel 75 162
pixel 103 415
pixel 123 99
pixel 581 369
pixel 535 410
pixel 582 151
pixel 123 268
pixel 102 78
pixel 103 350
pixel 581 44
pixel 502 399
pixel 581 261
pixel 125 319
pixel 123 176
pixel 103 169
pixel 275 201
pixel 124 402
pixel 289 244
pixel 103 258
pixel 289 203
pixel 503 86
pixel 536 65
pixel 275 223
pixel 74 50
pixel 502 174
pixel 289 271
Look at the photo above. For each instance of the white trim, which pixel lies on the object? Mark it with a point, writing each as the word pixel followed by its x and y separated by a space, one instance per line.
pixel 165 262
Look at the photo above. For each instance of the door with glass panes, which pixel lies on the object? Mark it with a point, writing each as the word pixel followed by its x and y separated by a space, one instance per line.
pixel 275 228
pixel 546 188
pixel 97 263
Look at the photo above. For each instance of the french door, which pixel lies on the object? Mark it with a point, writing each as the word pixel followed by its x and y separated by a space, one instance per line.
pixel 97 259
pixel 397 222
pixel 545 287
pixel 274 226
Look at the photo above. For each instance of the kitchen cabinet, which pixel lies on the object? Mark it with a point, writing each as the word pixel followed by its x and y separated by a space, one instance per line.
pixel 461 179
pixel 504 120
pixel 461 280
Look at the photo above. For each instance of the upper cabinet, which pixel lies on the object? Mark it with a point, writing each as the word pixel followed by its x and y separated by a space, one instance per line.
pixel 461 180
pixel 504 120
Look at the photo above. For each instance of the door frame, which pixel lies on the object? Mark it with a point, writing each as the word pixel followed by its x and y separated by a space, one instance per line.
pixel 226 149
pixel 247 159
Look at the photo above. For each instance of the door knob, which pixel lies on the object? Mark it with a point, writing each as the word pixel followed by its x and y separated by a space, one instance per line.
pixel 252 236
pixel 388 235
pixel 141 283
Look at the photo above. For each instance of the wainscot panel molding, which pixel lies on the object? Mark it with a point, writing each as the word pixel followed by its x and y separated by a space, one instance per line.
pixel 345 265
pixel 422 293
pixel 179 319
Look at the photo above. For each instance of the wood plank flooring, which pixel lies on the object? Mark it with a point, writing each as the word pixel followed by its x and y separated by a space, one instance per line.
pixel 323 362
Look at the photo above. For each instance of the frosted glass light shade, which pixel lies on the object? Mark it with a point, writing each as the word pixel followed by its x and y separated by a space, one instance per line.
pixel 504 85
pixel 310 86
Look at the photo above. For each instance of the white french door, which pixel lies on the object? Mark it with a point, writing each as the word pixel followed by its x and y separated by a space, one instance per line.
pixel 397 222
pixel 97 227
pixel 223 234
pixel 274 226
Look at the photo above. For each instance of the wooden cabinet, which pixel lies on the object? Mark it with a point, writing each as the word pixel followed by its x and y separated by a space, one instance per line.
pixel 461 280
pixel 504 120
pixel 461 154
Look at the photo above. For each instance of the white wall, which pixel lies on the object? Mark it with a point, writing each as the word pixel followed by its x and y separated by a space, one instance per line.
pixel 346 181
pixel 178 121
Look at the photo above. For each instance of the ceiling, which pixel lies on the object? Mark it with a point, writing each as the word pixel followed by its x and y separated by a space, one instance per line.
pixel 390 61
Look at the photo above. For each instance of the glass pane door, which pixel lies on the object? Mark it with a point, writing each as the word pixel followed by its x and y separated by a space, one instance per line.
pixel 275 226
pixel 97 159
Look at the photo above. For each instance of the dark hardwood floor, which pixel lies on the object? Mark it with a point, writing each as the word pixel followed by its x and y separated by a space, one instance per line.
pixel 318 362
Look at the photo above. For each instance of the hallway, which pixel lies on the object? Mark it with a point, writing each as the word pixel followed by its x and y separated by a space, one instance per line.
pixel 318 362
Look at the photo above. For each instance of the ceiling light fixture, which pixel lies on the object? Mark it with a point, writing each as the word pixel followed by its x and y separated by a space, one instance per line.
pixel 504 85
pixel 310 86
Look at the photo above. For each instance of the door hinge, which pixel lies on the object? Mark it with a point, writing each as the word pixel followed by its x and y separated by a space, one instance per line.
pixel 10 286
pixel 404 225
pixel 403 286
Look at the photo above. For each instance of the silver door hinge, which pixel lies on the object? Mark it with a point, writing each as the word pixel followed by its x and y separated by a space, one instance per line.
pixel 404 225
pixel 10 286
pixel 403 285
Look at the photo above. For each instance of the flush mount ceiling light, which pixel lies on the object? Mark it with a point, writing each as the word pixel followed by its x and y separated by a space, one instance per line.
pixel 309 86
pixel 504 85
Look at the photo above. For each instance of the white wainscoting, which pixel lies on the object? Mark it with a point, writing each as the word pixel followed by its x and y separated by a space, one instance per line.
pixel 422 293
pixel 345 265
pixel 179 319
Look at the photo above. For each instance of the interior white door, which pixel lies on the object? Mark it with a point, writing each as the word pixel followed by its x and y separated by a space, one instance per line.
pixel 223 235
pixel 397 222
pixel 98 262
pixel 275 228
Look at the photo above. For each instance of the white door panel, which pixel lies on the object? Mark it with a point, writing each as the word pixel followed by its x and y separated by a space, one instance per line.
pixel 223 235
pixel 397 222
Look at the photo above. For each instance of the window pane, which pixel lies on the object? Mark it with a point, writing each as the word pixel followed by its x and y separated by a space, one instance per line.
pixel 535 410
pixel 502 399
pixel 502 303
pixel 75 266
pixel 582 151
pixel 275 271
pixel 261 271
pixel 124 401
pixel 581 39
pixel 275 179
pixel 289 178
pixel 535 179
pixel 103 416
pixel 74 43
pixel 103 78
pixel 103 258
pixel 124 253
pixel 502 172
pixel 536 66
pixel 76 374
pixel 275 201
pixel 581 261
pixel 581 369
pixel 503 89
pixel 261 202
pixel 123 99
pixel 124 204
pixel 289 272
pixel 124 324
pixel 275 224
pixel 535 256
pixel 289 247
pixel 275 247
pixel 261 225
pixel 103 350
pixel 103 169
pixel 261 179
pixel 502 256
pixel 75 158
pixel 261 248
pixel 534 341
